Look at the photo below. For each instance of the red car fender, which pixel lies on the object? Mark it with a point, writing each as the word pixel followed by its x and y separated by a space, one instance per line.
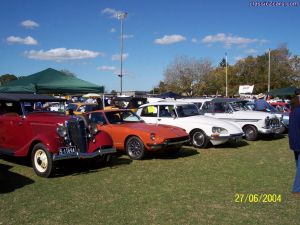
pixel 52 143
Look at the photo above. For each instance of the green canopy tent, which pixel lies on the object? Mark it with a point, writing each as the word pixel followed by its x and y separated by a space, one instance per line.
pixel 50 81
pixel 282 91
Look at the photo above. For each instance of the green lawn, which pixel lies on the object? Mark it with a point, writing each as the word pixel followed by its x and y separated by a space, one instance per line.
pixel 192 187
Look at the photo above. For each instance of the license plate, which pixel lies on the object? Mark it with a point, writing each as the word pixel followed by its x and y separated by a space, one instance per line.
pixel 67 150
pixel 236 139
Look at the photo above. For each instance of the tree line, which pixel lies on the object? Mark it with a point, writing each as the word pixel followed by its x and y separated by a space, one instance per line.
pixel 197 77
pixel 5 78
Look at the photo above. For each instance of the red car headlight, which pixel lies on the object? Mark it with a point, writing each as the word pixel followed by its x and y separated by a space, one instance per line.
pixel 61 130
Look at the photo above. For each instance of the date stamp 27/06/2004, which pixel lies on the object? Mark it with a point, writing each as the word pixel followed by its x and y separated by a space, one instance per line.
pixel 257 198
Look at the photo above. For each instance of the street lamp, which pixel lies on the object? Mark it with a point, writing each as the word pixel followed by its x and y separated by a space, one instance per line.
pixel 121 16
pixel 269 71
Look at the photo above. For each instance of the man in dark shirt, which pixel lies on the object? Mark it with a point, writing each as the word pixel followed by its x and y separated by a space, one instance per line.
pixel 294 140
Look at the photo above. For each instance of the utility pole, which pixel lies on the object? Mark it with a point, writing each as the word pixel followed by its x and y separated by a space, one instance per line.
pixel 226 74
pixel 121 17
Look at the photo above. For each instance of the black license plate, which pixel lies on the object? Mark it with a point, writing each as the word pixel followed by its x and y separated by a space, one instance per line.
pixel 67 150
pixel 236 139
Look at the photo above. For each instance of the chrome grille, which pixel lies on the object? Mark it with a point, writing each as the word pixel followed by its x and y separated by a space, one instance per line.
pixel 78 134
pixel 274 122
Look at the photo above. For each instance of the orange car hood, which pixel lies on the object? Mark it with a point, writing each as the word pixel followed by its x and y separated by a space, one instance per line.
pixel 159 129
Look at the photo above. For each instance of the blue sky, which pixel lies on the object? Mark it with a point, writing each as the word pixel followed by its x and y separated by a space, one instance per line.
pixel 84 36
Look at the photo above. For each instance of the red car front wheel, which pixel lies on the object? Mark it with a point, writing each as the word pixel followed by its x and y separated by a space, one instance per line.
pixel 41 160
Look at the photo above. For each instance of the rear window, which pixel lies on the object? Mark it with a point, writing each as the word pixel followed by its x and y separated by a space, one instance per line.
pixel 187 110
pixel 97 117
pixel 10 108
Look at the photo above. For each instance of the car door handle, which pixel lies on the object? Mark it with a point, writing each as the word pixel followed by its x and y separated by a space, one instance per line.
pixel 159 119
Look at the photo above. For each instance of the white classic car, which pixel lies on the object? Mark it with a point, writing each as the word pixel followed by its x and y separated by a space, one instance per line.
pixel 230 109
pixel 273 110
pixel 202 129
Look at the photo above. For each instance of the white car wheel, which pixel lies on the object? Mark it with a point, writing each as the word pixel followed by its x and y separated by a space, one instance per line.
pixel 199 139
pixel 42 161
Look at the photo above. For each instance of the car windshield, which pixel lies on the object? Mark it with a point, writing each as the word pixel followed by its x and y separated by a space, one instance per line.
pixel 282 108
pixel 90 108
pixel 39 106
pixel 115 117
pixel 240 106
pixel 72 107
pixel 272 109
pixel 248 105
pixel 187 110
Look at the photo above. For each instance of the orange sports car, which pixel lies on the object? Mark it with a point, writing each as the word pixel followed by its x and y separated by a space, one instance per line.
pixel 131 134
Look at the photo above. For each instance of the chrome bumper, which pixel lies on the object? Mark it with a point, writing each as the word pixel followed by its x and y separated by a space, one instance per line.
pixel 232 137
pixel 271 130
pixel 80 155
pixel 166 144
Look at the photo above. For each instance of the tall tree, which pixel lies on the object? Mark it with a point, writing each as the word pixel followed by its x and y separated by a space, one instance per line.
pixel 161 88
pixel 295 76
pixel 7 78
pixel 184 75
pixel 192 77
pixel 222 63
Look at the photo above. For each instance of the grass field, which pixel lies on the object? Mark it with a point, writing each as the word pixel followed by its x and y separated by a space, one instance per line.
pixel 192 187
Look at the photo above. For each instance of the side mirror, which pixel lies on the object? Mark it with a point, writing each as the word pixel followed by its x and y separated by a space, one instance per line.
pixel 173 114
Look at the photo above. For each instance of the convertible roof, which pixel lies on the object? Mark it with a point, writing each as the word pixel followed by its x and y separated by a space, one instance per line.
pixel 29 97
pixel 226 100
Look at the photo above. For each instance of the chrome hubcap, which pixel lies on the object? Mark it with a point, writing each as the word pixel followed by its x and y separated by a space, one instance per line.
pixel 134 148
pixel 198 138
pixel 249 132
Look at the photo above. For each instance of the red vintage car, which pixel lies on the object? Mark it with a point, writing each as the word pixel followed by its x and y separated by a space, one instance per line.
pixel 28 129
pixel 282 107
pixel 131 134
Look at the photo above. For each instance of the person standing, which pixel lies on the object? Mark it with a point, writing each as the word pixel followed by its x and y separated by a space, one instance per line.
pixel 294 138
pixel 295 101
